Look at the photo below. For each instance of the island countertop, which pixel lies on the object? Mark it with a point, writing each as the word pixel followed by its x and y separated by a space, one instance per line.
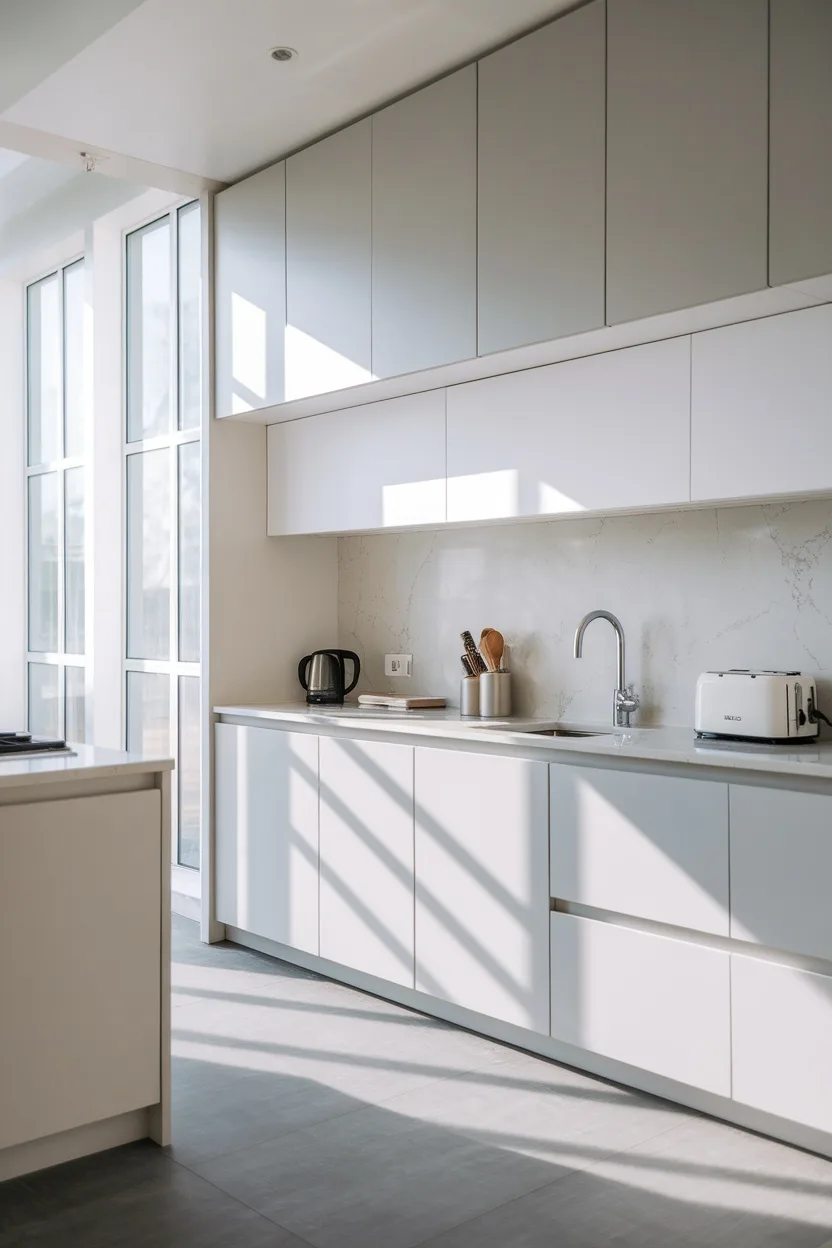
pixel 88 762
pixel 662 746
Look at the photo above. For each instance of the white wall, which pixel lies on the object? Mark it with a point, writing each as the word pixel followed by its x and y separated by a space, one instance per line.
pixel 12 502
pixel 738 587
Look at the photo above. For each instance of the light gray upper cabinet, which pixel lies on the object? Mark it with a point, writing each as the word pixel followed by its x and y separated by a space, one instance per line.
pixel 800 228
pixel 328 264
pixel 425 227
pixel 541 142
pixel 687 153
pixel 250 292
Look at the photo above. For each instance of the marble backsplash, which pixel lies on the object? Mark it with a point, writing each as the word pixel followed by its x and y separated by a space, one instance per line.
pixel 734 587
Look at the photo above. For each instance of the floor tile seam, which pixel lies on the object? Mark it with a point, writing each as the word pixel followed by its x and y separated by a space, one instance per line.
pixel 485 1213
pixel 243 1203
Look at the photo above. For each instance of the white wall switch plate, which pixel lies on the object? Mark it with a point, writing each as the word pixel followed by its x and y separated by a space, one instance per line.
pixel 398 665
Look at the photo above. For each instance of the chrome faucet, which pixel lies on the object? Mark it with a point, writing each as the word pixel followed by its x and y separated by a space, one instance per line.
pixel 624 699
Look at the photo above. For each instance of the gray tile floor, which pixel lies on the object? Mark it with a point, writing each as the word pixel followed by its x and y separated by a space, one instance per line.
pixel 306 1113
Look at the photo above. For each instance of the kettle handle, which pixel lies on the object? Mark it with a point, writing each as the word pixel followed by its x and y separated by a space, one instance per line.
pixel 302 672
pixel 350 654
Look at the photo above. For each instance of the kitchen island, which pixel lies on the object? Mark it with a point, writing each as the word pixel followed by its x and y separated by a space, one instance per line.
pixel 85 973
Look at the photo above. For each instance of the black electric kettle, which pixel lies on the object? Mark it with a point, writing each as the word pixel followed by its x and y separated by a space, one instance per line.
pixel 322 676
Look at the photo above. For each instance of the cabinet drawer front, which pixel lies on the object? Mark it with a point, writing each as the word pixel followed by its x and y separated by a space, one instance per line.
pixel 653 1002
pixel 781 869
pixel 655 847
pixel 367 857
pixel 782 1040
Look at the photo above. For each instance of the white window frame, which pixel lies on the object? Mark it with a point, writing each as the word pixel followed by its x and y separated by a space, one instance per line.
pixel 60 658
pixel 185 878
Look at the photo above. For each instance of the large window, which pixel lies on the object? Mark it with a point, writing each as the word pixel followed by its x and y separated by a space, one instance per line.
pixel 162 447
pixel 56 415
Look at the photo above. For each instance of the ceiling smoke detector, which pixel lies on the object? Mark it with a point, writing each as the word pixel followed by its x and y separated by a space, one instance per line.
pixel 283 54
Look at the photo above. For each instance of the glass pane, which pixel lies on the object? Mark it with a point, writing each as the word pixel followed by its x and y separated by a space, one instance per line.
pixel 149 336
pixel 148 714
pixel 190 317
pixel 148 555
pixel 74 362
pixel 74 560
pixel 43 562
pixel 76 704
pixel 187 766
pixel 44 700
pixel 44 369
pixel 189 552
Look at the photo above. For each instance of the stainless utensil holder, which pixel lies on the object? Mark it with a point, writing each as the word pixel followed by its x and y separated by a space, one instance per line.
pixel 495 695
pixel 469 695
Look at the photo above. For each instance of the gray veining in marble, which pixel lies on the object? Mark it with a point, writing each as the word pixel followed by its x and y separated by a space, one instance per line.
pixel 746 586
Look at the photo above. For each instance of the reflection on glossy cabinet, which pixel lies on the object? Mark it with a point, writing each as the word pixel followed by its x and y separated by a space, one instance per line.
pixel 687 153
pixel 367 857
pixel 655 847
pixel 782 1040
pixel 482 889
pixel 566 437
pixel 650 1001
pixel 425 227
pixel 380 465
pixel 800 224
pixel 781 869
pixel 760 420
pixel 250 292
pixel 266 833
pixel 540 172
pixel 328 264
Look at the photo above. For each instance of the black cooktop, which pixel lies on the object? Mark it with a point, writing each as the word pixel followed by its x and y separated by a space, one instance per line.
pixel 25 743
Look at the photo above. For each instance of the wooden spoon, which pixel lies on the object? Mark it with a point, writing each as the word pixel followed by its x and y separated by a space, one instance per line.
pixel 492 645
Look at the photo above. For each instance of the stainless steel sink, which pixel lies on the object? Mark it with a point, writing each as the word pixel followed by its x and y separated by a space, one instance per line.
pixel 566 732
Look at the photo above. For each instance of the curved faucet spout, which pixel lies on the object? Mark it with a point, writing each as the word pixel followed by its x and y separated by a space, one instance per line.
pixel 619 636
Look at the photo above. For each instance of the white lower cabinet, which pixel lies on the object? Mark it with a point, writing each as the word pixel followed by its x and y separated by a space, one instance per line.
pixel 655 847
pixel 782 1040
pixel 647 1000
pixel 482 885
pixel 367 856
pixel 266 833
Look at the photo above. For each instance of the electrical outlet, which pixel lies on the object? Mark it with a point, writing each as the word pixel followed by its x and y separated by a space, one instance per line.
pixel 398 665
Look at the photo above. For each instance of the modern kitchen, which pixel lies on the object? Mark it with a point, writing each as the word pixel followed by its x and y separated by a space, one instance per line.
pixel 475 890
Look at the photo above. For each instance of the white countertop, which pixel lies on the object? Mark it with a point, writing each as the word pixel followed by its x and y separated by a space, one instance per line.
pixel 86 762
pixel 676 746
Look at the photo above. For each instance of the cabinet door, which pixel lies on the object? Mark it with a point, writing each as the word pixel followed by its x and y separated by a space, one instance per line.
pixel 381 465
pixel 760 409
pixel 653 1002
pixel 781 869
pixel 367 857
pixel 425 227
pixel 561 438
pixel 541 144
pixel 800 186
pixel 250 292
pixel 687 153
pixel 781 1040
pixel 266 833
pixel 328 264
pixel 482 890
pixel 652 846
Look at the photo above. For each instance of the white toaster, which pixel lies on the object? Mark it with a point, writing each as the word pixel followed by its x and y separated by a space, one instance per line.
pixel 775 707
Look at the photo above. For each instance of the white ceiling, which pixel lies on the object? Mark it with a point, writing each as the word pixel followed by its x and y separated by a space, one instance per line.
pixel 189 84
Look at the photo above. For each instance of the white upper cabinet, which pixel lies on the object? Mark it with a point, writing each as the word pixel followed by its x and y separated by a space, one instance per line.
pixel 655 847
pixel 761 407
pixel 250 292
pixel 800 222
pixel 606 431
pixel 687 153
pixel 367 857
pixel 541 140
pixel 425 227
pixel 482 887
pixel 781 869
pixel 328 264
pixel 377 466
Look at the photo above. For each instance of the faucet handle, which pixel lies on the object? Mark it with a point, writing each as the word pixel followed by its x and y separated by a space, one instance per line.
pixel 630 701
